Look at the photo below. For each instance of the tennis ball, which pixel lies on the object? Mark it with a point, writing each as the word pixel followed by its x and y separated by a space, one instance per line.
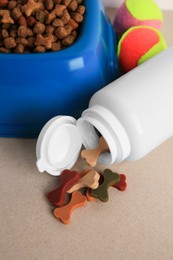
pixel 138 44
pixel 136 13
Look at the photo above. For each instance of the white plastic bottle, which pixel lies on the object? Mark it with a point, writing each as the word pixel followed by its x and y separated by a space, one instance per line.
pixel 134 114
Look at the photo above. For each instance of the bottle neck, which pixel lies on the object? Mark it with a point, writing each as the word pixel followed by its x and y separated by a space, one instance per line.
pixel 101 119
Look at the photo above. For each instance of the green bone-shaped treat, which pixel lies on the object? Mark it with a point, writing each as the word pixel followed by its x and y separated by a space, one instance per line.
pixel 110 178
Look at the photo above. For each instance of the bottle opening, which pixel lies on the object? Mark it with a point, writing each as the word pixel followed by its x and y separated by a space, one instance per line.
pixel 96 121
pixel 91 134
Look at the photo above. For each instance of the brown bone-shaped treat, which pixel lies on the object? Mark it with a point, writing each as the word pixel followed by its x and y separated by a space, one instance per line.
pixel 110 178
pixel 31 6
pixel 91 156
pixel 64 213
pixel 58 11
pixel 68 179
pixel 90 180
pixel 44 41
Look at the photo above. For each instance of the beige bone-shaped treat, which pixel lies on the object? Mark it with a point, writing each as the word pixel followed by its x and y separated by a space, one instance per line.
pixel 91 156
pixel 90 180
pixel 64 213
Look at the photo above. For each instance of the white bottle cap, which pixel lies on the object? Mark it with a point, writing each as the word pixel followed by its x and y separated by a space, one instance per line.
pixel 58 145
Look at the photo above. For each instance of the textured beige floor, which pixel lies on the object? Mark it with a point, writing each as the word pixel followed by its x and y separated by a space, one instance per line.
pixel 134 225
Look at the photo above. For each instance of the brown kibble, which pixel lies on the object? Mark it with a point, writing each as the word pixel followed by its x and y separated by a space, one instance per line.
pixel 50 17
pixel 31 41
pixel 30 32
pixel 81 9
pixel 49 4
pixel 6 18
pixel 13 33
pixel 32 6
pixel 22 21
pixel 68 29
pixel 11 5
pixel 49 29
pixel 65 17
pixel 23 31
pixel 59 9
pixel 16 13
pixel 4 33
pixel 40 16
pixel 56 46
pixel 68 40
pixel 40 49
pixel 66 2
pixel 19 48
pixel 54 39
pixel 19 5
pixel 39 28
pixel 45 41
pixel 77 17
pixel 75 34
pixel 4 50
pixel 57 22
pixel 73 24
pixel 31 20
pixel 73 5
pixel 3 3
pixel 9 43
pixel 23 41
pixel 61 33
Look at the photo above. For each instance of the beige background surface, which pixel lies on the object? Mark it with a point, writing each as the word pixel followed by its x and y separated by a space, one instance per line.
pixel 134 225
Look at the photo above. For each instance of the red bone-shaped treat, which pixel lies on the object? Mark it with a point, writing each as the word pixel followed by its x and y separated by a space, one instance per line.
pixel 122 184
pixel 68 179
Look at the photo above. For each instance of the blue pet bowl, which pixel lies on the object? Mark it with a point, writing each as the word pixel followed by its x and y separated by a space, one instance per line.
pixel 36 87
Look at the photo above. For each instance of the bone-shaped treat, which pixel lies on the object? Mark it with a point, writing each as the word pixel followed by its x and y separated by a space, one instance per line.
pixel 90 180
pixel 68 179
pixel 89 197
pixel 121 185
pixel 84 172
pixel 64 213
pixel 110 178
pixel 31 6
pixel 91 156
pixel 6 18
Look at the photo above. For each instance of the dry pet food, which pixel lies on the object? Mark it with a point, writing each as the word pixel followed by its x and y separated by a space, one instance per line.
pixel 28 26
